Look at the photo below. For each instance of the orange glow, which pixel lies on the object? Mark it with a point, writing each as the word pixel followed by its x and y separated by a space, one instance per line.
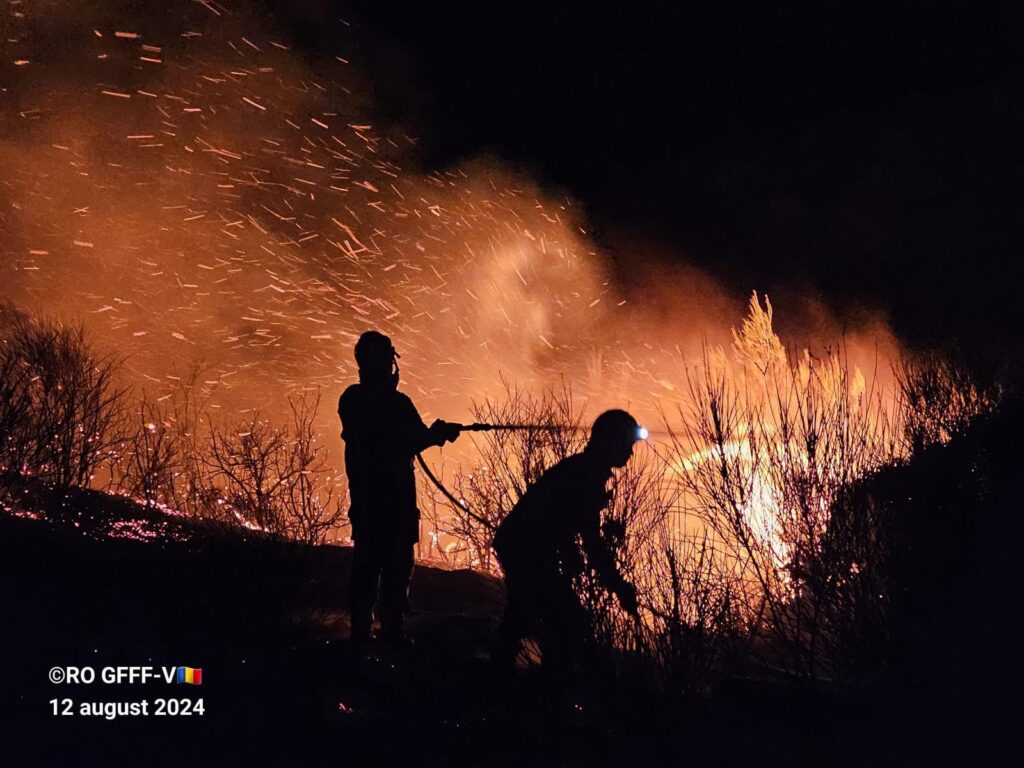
pixel 200 196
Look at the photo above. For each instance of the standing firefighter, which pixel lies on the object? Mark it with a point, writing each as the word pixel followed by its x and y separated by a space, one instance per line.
pixel 382 432
pixel 538 550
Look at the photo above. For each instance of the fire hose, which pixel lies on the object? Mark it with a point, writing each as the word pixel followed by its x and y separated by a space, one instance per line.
pixel 642 434
pixel 478 427
pixel 460 503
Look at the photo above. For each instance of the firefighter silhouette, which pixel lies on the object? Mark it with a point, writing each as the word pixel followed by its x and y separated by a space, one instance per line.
pixel 383 432
pixel 537 547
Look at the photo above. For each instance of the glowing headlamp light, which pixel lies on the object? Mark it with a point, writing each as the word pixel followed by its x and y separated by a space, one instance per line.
pixel 642 433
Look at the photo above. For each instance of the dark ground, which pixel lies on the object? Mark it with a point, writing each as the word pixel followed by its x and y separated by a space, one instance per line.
pixel 265 623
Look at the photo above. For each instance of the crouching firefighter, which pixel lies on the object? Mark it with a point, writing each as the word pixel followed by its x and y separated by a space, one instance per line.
pixel 537 547
pixel 383 432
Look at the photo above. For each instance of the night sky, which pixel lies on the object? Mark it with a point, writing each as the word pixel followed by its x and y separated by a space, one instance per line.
pixel 869 156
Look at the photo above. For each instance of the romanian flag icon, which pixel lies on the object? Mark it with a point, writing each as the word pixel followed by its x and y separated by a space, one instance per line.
pixel 190 675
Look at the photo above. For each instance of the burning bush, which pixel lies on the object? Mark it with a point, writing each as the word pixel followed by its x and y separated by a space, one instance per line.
pixel 768 447
pixel 747 537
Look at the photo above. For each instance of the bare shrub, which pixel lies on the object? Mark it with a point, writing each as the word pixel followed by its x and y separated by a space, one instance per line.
pixel 149 459
pixel 193 489
pixel 437 542
pixel 17 444
pixel 274 478
pixel 511 461
pixel 939 398
pixel 684 626
pixel 62 405
pixel 695 628
pixel 163 457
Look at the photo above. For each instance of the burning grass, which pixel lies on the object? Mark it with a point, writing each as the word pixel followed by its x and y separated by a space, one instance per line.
pixel 738 521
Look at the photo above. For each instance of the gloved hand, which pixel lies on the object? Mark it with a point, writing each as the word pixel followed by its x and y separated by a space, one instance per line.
pixel 627 597
pixel 445 431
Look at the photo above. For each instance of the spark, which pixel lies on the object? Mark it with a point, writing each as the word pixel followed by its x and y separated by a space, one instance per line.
pixel 247 198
